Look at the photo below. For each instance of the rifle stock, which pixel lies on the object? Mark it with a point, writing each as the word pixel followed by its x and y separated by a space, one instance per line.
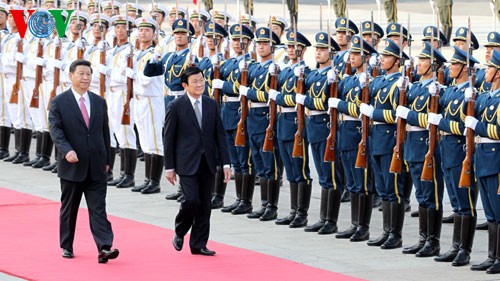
pixel 240 139
pixel 130 91
pixel 35 98
pixel 57 74
pixel 217 95
pixel 14 96
pixel 102 77
pixel 365 127
pixel 329 155
pixel 466 179
pixel 268 145
pixel 298 142
pixel 397 155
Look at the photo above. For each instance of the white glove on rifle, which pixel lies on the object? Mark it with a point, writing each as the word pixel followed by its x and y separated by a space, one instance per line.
pixel 244 90
pixel 103 69
pixel 434 119
pixel 41 62
pixel 434 88
pixel 471 122
pixel 273 94
pixel 58 64
pixel 130 73
pixel 333 102
pixel 218 84
pixel 241 65
pixel 402 80
pixel 272 69
pixel 300 98
pixel 20 57
pixel 366 109
pixel 402 112
pixel 298 70
pixel 362 79
pixel 468 93
pixel 345 58
pixel 373 61
pixel 331 76
pixel 215 60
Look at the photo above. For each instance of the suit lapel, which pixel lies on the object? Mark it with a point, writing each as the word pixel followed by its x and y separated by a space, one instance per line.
pixel 75 107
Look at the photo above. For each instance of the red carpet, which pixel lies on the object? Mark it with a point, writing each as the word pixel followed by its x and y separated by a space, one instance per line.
pixel 30 250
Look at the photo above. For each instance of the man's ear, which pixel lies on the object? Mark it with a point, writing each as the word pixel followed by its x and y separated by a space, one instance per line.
pixel 184 85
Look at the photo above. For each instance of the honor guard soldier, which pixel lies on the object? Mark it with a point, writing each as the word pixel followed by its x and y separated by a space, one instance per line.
pixel 50 4
pixel 384 96
pixel 429 192
pixel 92 7
pixel 223 18
pixel 357 179
pixel 372 35
pixel 438 39
pixel 493 44
pixel 297 168
pixel 114 67
pixel 265 163
pixel 5 119
pixel 486 126
pixel 345 31
pixel 278 26
pixel 250 22
pixel 199 19
pixel 134 11
pixel 229 83
pixel 450 122
pixel 315 101
pixel 158 13
pixel 460 40
pixel 167 44
pixel 111 8
pixel 171 67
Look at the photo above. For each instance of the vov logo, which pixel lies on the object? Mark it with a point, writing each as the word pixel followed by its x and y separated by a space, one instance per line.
pixel 41 22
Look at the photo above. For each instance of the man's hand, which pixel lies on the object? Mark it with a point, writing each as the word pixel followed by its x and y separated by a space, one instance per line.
pixel 107 168
pixel 227 175
pixel 71 157
pixel 171 177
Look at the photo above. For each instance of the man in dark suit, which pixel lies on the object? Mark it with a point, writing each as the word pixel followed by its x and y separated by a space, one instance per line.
pixel 78 122
pixel 194 142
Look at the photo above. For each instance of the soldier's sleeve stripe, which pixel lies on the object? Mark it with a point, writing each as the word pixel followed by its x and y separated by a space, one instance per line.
pixel 454 128
pixel 320 104
pixel 492 132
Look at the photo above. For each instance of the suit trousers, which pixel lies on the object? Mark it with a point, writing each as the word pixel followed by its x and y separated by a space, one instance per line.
pixel 194 212
pixel 95 197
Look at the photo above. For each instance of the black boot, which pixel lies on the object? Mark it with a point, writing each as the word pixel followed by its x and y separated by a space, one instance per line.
pixel 122 170
pixel 395 239
pixel 422 232
pixel 238 182
pixel 495 268
pixel 364 218
pixel 38 150
pixel 354 218
pixel 346 196
pixel 157 162
pixel 130 164
pixel 466 239
pixel 377 201
pixel 455 242
pixel 322 213
pixel 386 217
pixel 112 157
pixel 492 249
pixel 46 151
pixel 263 200
pixel 294 191
pixel 147 174
pixel 24 156
pixel 53 165
pixel 273 193
pixel 432 246
pixel 303 201
pixel 332 212
pixel 219 189
pixel 4 141
pixel 407 188
pixel 247 189
pixel 17 146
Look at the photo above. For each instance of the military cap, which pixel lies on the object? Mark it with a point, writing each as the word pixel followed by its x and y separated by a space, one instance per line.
pixel 460 56
pixel 132 7
pixel 204 15
pixel 262 35
pixel 392 49
pixel 212 27
pixel 90 4
pixel 461 35
pixel 249 19
pixel 157 8
pixel 4 8
pixel 220 15
pixel 366 29
pixel 51 1
pixel 100 18
pixel 83 16
pixel 182 25
pixel 70 2
pixel 244 31
pixel 431 31
pixel 177 10
pixel 394 29
pixel 119 19
pixel 356 46
pixel 107 5
pixel 322 41
pixel 282 22
pixel 146 22
pixel 495 59
pixel 341 25
pixel 301 39
pixel 426 54
pixel 493 39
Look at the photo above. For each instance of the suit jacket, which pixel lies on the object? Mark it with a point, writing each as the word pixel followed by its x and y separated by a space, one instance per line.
pixel 69 132
pixel 184 142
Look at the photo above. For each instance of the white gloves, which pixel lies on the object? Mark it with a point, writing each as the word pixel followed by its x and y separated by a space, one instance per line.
pixel 79 44
pixel 218 84
pixel 41 62
pixel 130 73
pixel 331 76
pixel 298 70
pixel 402 112
pixel 468 93
pixel 409 62
pixel 273 94
pixel 272 69
pixel 244 90
pixel 20 57
pixel 362 79
pixel 103 69
pixel 373 61
pixel 433 88
pixel 402 79
pixel 471 122
pixel 155 57
pixel 434 119
pixel 366 109
pixel 333 102
pixel 346 57
pixel 102 45
pixel 58 64
pixel 300 98
pixel 214 60
pixel 241 65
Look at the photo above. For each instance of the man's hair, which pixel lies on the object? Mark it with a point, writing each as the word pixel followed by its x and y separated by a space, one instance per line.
pixel 192 70
pixel 76 63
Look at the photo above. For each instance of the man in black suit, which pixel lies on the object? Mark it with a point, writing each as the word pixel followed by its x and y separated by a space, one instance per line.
pixel 194 142
pixel 78 122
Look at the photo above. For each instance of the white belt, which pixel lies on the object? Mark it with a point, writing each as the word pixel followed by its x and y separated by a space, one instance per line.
pixel 346 117
pixel 287 109
pixel 117 88
pixel 410 128
pixel 258 104
pixel 316 112
pixel 486 140
pixel 230 99
pixel 379 123
pixel 175 93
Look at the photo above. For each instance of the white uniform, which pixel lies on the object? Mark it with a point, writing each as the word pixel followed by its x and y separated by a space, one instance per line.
pixel 29 74
pixel 9 65
pixel 5 120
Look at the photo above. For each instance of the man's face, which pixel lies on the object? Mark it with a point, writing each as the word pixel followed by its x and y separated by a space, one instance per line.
pixel 263 49
pixel 132 14
pixel 74 26
pixel 10 20
pixel 423 66
pixel 81 77
pixel 456 69
pixel 181 38
pixel 321 55
pixel 145 34
pixel 387 62
pixel 492 74
pixel 291 51
pixel 121 32
pixel 195 85
pixel 108 12
pixel 3 18
pixel 277 29
pixel 341 38
pixel 210 42
pixel 461 45
pixel 158 17
pixel 196 24
pixel 235 44
pixel 96 31
pixel 489 51
pixel 356 60
pixel 91 10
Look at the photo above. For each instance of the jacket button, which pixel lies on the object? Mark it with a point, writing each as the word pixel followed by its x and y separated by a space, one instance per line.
pixel 493 149
pixel 387 132
pixel 459 141
pixel 421 139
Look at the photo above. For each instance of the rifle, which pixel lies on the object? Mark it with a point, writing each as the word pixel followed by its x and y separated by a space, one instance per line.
pixel 466 179
pixel 361 161
pixel 397 155
pixel 216 66
pixel 14 97
pixel 298 142
pixel 80 49
pixel 35 98
pixel 409 70
pixel 348 66
pixel 130 82
pixel 240 139
pixel 57 71
pixel 201 47
pixel 329 155
pixel 268 145
pixel 102 60
pixel 375 70
pixel 227 50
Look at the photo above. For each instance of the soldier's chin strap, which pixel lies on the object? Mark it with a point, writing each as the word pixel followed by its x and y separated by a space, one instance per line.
pixel 394 63
pixel 493 77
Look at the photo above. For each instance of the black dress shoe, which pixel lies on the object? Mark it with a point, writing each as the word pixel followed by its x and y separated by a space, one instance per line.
pixel 203 251
pixel 173 196
pixel 50 166
pixel 217 202
pixel 178 242
pixel 105 255
pixel 151 188
pixel 67 254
